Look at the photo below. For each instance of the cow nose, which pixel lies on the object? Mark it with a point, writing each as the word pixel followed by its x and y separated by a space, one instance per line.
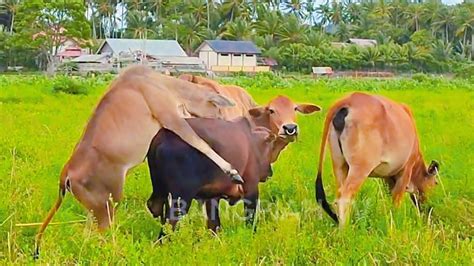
pixel 290 129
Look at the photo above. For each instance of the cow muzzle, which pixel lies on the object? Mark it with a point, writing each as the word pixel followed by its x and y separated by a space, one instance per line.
pixel 290 130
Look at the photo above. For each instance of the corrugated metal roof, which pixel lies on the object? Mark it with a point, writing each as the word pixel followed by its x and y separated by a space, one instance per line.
pixel 233 47
pixel 90 58
pixel 151 47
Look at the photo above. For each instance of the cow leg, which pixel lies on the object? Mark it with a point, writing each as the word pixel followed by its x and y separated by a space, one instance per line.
pixel 179 207
pixel 339 164
pixel 96 199
pixel 184 131
pixel 250 208
pixel 355 178
pixel 401 184
pixel 156 205
pixel 167 115
pixel 212 211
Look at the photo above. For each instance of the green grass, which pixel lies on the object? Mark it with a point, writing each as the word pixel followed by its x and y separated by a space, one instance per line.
pixel 39 128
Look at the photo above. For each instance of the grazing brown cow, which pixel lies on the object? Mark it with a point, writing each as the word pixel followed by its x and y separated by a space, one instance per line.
pixel 243 101
pixel 372 136
pixel 136 106
pixel 180 173
pixel 279 115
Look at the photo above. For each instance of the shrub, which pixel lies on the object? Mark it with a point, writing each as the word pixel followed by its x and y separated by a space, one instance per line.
pixel 420 77
pixel 69 85
pixel 466 72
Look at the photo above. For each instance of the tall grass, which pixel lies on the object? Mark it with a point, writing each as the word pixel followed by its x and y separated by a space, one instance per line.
pixel 39 128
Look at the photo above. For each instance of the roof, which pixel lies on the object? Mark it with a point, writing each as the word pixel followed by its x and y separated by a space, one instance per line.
pixel 151 47
pixel 363 42
pixel 232 47
pixel 71 52
pixel 90 58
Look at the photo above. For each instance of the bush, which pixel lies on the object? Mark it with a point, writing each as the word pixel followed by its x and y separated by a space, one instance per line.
pixel 69 85
pixel 466 72
pixel 420 77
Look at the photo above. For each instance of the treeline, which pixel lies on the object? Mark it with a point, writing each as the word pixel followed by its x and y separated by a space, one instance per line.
pixel 428 36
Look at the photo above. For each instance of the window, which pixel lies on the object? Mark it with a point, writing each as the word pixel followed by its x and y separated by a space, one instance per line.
pixel 224 54
pixel 249 55
pixel 237 55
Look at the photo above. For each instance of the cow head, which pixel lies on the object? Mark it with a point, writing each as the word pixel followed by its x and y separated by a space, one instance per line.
pixel 424 179
pixel 264 142
pixel 279 115
pixel 208 105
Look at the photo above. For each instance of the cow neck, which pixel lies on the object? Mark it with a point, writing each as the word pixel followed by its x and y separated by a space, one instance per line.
pixel 278 145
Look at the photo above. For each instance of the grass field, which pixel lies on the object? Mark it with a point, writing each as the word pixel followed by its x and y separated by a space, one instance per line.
pixel 39 128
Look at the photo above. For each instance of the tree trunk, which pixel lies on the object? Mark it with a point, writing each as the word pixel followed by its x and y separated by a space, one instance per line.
pixel 50 67
pixel 11 23
pixel 472 44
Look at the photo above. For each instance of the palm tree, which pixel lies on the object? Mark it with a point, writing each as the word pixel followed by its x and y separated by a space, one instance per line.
pixel 415 13
pixel 269 24
pixel 324 14
pixel 11 7
pixel 465 22
pixel 445 20
pixel 238 30
pixel 232 8
pixel 292 31
pixel 191 32
pixel 295 7
pixel 343 32
pixel 139 24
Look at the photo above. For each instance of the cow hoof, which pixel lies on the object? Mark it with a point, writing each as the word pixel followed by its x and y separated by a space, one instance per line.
pixel 236 178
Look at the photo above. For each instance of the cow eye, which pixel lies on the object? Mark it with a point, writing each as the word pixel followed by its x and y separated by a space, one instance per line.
pixel 271 111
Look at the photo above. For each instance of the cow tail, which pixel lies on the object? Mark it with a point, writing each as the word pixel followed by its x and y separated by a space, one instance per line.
pixel 63 184
pixel 319 188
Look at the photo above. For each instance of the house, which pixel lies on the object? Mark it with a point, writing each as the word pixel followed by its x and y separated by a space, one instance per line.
pixel 91 63
pixel 155 48
pixel 230 56
pixel 66 47
pixel 363 42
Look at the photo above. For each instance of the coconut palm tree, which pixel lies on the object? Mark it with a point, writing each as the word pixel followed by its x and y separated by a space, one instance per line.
pixel 295 7
pixel 139 24
pixel 415 13
pixel 445 21
pixel 237 30
pixel 292 31
pixel 269 24
pixel 11 6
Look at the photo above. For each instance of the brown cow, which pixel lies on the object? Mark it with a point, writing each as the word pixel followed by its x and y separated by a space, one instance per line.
pixel 117 137
pixel 243 101
pixel 180 173
pixel 372 136
pixel 279 115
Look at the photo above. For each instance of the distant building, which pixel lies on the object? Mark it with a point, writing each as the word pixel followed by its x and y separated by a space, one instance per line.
pixel 230 56
pixel 154 48
pixel 165 56
pixel 363 42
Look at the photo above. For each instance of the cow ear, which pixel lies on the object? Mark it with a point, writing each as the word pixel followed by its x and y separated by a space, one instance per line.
pixel 257 111
pixel 307 108
pixel 433 168
pixel 221 101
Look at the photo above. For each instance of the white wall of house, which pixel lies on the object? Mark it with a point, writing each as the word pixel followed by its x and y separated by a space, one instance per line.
pixel 208 56
pixel 237 59
pixel 224 59
pixel 211 58
pixel 250 60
